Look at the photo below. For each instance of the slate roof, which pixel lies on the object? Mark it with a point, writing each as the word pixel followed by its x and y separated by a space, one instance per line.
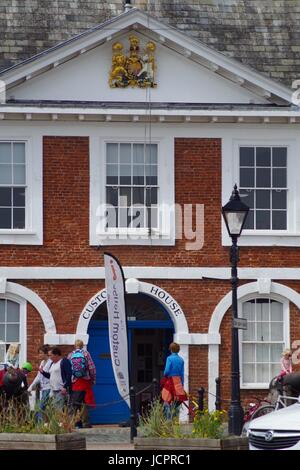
pixel 264 34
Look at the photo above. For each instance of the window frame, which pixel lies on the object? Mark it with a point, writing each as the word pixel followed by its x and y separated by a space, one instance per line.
pixel 255 188
pixel 13 185
pixel 230 176
pixel 165 235
pixel 286 333
pixel 23 324
pixel 32 234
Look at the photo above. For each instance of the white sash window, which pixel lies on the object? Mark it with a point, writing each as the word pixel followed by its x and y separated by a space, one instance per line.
pixel 263 341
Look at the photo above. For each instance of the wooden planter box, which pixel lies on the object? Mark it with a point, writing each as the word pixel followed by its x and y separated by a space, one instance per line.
pixel 228 443
pixel 23 441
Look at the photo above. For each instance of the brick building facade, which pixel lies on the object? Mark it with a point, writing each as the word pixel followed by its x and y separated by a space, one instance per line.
pixel 209 123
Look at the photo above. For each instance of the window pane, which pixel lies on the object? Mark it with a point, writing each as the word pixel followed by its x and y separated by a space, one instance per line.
pixel 5 218
pixel 247 177
pixel 262 352
pixel 125 153
pixel 2 311
pixel 263 331
pixel 263 156
pixel 151 174
pixel 5 196
pixel 247 197
pixel 19 197
pixel 2 352
pixel 125 218
pixel 248 353
pixel 279 178
pixel 2 332
pixel 19 174
pixel 138 153
pixel 125 174
pixel 5 174
pixel 246 156
pixel 19 218
pixel 263 199
pixel 151 153
pixel 13 311
pixel 138 174
pixel 249 224
pixel 125 197
pixel 112 217
pixel 248 373
pixel 112 174
pixel 263 220
pixel 5 152
pixel 138 195
pixel 151 196
pixel 277 311
pixel 262 310
pixel 279 156
pixel 138 217
pixel 249 334
pixel 12 333
pixel 249 311
pixel 279 199
pixel 112 196
pixel 263 177
pixel 19 152
pixel 276 350
pixel 279 221
pixel 112 153
pixel 152 217
pixel 277 331
pixel 263 374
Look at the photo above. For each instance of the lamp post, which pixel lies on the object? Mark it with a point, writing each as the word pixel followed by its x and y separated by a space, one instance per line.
pixel 235 213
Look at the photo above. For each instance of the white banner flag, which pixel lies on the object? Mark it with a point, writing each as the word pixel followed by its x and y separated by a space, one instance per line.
pixel 117 323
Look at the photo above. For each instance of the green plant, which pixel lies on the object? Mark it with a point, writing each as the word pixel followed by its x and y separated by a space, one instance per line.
pixel 155 424
pixel 209 424
pixel 17 417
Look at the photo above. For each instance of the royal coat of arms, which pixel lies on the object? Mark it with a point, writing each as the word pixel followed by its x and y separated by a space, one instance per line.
pixel 136 69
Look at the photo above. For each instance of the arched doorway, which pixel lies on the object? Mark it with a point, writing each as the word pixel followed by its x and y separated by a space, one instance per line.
pixel 150 330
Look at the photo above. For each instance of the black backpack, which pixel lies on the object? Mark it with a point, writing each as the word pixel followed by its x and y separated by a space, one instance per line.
pixel 12 383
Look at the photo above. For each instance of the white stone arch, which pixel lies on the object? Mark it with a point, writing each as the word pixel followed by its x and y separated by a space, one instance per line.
pixel 21 295
pixel 133 286
pixel 261 286
pixel 23 292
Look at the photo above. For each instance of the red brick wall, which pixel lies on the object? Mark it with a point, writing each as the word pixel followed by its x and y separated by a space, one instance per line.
pixel 66 213
pixel 198 299
pixel 66 243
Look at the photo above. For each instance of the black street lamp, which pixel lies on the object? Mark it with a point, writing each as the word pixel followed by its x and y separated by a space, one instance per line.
pixel 235 213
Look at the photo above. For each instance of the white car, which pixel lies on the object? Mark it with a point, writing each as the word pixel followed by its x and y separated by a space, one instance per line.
pixel 279 430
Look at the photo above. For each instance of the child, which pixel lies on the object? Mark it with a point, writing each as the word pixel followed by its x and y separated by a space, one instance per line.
pixel 286 363
pixel 12 355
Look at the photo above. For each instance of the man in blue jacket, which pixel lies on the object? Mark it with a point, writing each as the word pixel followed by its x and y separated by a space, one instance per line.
pixel 60 375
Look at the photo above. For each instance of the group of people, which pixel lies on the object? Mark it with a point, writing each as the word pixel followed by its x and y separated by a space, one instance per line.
pixel 66 381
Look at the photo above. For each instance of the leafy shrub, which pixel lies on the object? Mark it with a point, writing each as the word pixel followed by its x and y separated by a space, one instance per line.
pixel 17 417
pixel 209 424
pixel 155 424
pixel 206 424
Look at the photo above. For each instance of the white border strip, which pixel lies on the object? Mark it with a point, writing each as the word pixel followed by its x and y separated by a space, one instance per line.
pixel 148 272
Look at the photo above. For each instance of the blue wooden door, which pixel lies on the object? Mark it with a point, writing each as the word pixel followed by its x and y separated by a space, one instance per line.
pixel 105 390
